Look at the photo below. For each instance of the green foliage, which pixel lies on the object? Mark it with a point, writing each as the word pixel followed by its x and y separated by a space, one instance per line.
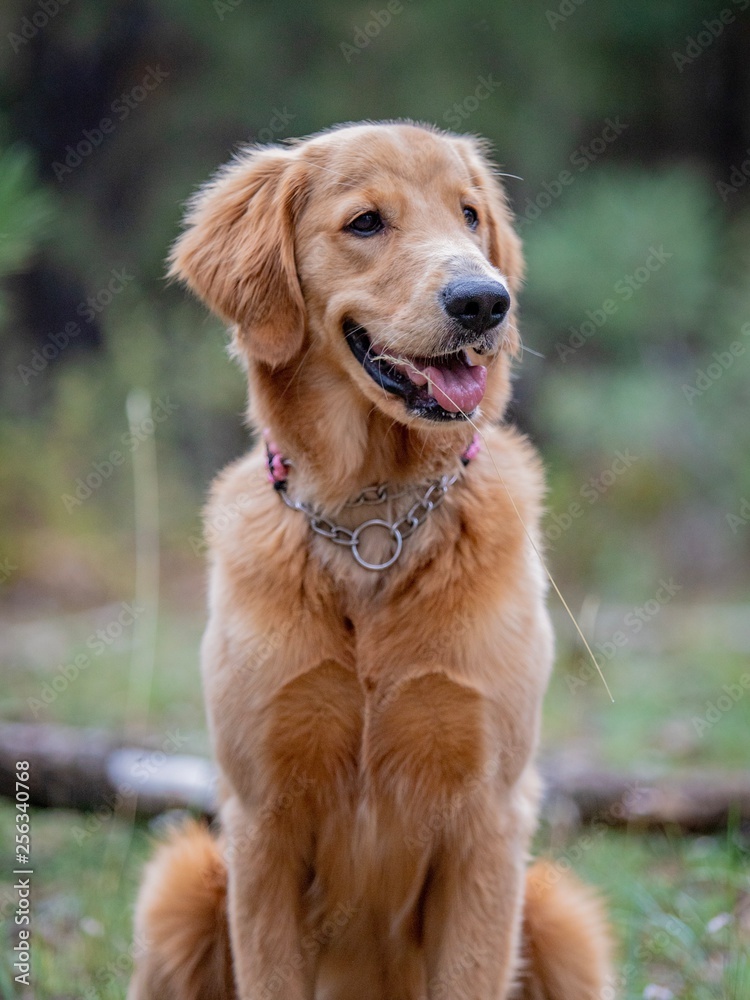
pixel 25 210
pixel 26 213
pixel 647 243
pixel 239 73
pixel 185 369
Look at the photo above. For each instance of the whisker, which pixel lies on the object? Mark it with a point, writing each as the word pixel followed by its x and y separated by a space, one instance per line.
pixel 297 370
pixel 530 350
pixel 526 350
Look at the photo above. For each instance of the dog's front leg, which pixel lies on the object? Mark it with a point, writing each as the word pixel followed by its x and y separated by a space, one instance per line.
pixel 465 803
pixel 266 876
pixel 473 916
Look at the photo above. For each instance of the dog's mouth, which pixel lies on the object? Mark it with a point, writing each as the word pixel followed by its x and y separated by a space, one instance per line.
pixel 443 387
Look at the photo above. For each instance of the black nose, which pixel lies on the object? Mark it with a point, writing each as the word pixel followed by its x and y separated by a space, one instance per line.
pixel 478 305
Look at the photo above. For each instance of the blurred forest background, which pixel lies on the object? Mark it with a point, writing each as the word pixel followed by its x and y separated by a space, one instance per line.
pixel 626 129
pixel 648 142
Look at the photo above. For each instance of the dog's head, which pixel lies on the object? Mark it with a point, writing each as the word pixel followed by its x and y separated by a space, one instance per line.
pixel 384 252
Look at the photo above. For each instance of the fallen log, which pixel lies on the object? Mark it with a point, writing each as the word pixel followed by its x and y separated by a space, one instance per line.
pixel 701 801
pixel 90 770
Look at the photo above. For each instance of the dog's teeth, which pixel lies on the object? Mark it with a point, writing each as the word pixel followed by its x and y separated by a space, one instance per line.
pixel 473 357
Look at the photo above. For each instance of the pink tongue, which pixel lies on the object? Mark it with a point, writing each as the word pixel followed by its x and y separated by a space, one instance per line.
pixel 457 389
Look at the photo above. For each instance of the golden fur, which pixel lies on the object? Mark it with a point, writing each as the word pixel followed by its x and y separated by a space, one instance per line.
pixel 374 732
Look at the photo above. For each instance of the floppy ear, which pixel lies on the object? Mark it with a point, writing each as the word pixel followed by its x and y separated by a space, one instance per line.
pixel 237 251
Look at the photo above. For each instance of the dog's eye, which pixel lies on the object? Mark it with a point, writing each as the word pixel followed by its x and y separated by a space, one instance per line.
pixel 366 224
pixel 470 214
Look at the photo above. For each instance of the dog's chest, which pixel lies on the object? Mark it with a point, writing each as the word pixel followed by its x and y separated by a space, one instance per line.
pixel 396 753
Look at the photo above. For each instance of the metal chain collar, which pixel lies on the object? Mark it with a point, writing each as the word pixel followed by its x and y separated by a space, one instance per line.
pixel 399 529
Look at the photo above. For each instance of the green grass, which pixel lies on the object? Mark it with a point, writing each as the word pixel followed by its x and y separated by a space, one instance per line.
pixel 681 906
pixel 661 716
pixel 35 687
pixel 82 894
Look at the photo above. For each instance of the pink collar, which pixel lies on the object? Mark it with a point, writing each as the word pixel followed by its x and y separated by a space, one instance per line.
pixel 277 465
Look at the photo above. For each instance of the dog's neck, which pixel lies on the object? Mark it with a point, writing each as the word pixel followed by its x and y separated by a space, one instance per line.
pixel 341 445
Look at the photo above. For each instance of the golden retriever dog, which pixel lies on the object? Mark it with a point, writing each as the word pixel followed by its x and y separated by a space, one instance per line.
pixel 378 645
